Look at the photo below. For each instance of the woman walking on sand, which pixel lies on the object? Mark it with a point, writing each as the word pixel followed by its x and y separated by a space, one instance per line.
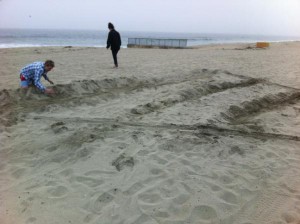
pixel 114 42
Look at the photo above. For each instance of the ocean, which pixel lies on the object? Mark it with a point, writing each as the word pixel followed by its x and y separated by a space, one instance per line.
pixel 11 38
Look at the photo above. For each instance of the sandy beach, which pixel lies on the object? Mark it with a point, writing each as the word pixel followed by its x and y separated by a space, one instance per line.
pixel 209 135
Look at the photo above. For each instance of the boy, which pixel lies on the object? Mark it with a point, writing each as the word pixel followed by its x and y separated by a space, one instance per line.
pixel 31 75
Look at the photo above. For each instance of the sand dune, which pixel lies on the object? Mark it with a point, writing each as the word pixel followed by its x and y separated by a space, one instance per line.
pixel 209 146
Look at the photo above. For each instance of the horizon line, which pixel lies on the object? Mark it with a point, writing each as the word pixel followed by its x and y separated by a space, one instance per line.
pixel 144 31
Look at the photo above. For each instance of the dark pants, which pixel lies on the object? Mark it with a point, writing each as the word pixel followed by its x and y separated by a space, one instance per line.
pixel 114 54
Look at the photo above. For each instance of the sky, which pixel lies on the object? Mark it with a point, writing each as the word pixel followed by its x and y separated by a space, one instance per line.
pixel 257 17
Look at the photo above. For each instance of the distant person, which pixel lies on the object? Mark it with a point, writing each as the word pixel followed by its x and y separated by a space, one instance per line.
pixel 114 42
pixel 31 75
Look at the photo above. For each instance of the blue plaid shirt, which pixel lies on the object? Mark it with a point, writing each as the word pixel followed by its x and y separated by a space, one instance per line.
pixel 33 72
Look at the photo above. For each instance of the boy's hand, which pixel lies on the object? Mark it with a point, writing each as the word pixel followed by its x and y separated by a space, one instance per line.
pixel 49 91
pixel 50 81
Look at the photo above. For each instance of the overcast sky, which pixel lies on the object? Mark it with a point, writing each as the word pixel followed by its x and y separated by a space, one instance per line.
pixel 265 17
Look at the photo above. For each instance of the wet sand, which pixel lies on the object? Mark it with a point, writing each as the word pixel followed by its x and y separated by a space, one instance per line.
pixel 204 135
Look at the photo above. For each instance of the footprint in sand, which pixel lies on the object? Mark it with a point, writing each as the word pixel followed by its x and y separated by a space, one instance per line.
pixel 237 150
pixel 31 220
pixel 89 218
pixel 51 183
pixel 99 173
pixel 89 181
pixel 226 179
pixel 101 201
pixel 158 160
pixel 161 214
pixel 181 199
pixel 123 161
pixel 133 189
pixel 58 191
pixel 214 187
pixel 290 217
pixel 84 153
pixel 143 153
pixel 59 127
pixel 67 172
pixel 228 197
pixel 51 148
pixel 156 171
pixel 18 173
pixel 290 189
pixel 203 212
pixel 25 205
pixel 149 198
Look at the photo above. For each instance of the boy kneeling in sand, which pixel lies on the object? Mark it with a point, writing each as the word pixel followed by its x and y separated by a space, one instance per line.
pixel 31 75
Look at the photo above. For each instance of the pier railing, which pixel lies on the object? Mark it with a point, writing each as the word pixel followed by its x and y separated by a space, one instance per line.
pixel 159 43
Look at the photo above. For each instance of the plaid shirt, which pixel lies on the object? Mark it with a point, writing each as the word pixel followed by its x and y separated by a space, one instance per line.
pixel 33 72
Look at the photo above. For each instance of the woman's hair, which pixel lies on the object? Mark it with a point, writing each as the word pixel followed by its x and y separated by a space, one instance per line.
pixel 111 26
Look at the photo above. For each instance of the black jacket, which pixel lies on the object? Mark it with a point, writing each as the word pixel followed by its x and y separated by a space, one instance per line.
pixel 114 40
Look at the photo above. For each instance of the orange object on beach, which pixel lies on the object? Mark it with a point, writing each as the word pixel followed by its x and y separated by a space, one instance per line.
pixel 262 44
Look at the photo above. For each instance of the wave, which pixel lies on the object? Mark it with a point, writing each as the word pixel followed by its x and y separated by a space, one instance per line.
pixel 21 45
pixel 46 45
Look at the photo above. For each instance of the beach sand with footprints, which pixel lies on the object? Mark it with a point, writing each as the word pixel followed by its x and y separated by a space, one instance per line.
pixel 203 135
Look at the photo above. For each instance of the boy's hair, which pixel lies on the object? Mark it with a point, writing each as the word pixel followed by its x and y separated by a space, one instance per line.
pixel 111 26
pixel 49 63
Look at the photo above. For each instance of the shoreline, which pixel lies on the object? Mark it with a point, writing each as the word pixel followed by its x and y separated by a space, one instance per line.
pixel 125 47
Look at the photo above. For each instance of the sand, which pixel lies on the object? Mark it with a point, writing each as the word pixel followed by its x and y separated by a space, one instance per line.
pixel 203 135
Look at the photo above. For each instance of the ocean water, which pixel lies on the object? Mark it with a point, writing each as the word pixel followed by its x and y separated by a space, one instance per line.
pixel 10 38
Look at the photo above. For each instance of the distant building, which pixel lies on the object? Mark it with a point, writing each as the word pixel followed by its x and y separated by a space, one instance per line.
pixel 157 43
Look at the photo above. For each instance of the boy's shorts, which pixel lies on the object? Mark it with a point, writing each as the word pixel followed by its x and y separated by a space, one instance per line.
pixel 24 83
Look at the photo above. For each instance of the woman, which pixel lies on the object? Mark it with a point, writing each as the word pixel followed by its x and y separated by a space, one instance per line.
pixel 114 42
